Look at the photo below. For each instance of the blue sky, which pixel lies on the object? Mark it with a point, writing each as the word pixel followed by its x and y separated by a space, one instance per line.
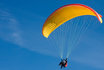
pixel 22 46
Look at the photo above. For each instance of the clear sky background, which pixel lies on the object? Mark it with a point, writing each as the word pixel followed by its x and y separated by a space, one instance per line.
pixel 22 46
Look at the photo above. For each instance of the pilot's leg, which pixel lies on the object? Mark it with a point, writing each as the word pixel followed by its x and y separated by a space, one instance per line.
pixel 61 67
pixel 64 66
pixel 60 64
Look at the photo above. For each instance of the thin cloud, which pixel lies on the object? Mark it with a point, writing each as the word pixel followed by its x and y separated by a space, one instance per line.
pixel 9 29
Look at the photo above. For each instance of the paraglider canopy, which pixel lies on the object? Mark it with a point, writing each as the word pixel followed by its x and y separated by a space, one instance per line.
pixel 64 14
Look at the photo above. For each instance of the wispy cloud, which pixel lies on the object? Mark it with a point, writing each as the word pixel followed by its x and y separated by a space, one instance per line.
pixel 9 29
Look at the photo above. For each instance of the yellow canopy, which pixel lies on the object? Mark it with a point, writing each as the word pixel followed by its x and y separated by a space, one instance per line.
pixel 64 14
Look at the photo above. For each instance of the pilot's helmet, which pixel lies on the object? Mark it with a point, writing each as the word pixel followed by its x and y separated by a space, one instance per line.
pixel 64 61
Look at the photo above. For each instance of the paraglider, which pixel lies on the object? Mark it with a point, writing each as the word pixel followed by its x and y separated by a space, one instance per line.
pixel 63 63
pixel 61 16
pixel 64 14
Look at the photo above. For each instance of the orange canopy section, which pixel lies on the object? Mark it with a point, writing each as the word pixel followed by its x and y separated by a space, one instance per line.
pixel 64 14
